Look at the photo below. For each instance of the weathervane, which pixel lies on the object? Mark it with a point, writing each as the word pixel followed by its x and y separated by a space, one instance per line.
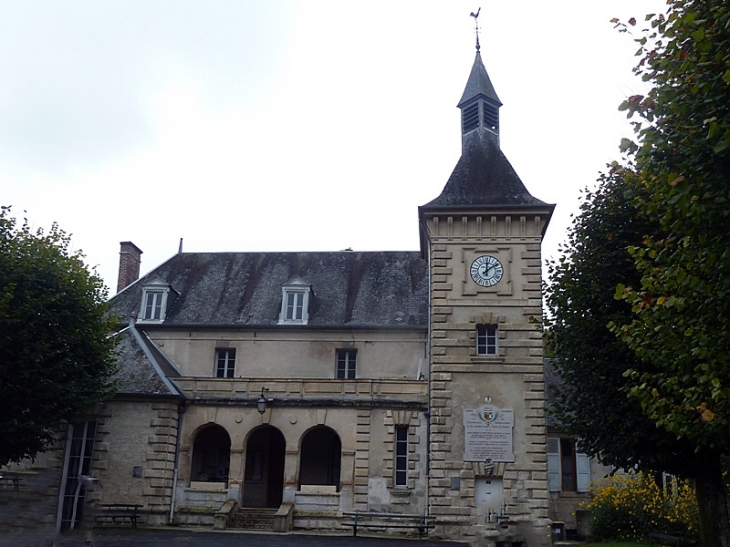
pixel 476 24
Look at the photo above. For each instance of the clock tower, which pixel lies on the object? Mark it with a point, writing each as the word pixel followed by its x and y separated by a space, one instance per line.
pixel 487 440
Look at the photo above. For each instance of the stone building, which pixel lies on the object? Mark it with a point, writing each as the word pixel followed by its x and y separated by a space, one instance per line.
pixel 482 239
pixel 319 383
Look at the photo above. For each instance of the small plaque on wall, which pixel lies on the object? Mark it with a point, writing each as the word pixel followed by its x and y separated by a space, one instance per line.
pixel 488 434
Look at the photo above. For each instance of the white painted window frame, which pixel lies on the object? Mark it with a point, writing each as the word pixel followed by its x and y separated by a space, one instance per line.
pixel 297 289
pixel 350 363
pixel 154 287
pixel 229 363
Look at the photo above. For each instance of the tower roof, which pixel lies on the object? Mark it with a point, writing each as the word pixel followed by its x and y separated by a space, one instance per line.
pixel 483 176
pixel 478 84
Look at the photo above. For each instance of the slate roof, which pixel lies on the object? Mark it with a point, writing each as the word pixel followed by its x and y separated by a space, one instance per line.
pixel 478 83
pixel 483 177
pixel 350 289
pixel 143 369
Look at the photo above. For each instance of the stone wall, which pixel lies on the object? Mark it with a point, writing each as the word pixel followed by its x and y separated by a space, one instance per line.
pixel 135 456
pixel 33 507
pixel 512 379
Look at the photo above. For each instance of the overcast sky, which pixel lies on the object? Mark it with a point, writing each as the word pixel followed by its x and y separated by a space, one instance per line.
pixel 292 126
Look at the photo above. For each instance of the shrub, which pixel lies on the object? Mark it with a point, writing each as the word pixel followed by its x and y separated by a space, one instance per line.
pixel 630 506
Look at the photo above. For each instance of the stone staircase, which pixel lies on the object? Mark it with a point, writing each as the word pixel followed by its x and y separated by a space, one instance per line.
pixel 254 518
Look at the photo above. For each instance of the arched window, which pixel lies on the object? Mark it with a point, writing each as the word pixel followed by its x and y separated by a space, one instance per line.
pixel 211 455
pixel 320 458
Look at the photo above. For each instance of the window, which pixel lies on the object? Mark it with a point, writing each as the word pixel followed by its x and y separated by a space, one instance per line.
pixel 225 362
pixel 295 302
pixel 568 470
pixel 567 466
pixel 486 339
pixel 346 364
pixel 153 305
pixel 294 306
pixel 157 297
pixel 401 456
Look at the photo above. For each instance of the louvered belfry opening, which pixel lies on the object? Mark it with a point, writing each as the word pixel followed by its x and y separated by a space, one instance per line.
pixel 470 118
pixel 482 114
pixel 490 116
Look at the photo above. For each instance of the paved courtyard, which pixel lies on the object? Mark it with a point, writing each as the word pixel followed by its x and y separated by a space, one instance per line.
pixel 128 537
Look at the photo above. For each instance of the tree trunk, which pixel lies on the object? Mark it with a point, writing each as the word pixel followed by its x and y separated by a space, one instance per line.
pixel 712 504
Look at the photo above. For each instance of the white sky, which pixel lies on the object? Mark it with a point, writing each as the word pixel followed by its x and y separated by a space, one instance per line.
pixel 314 125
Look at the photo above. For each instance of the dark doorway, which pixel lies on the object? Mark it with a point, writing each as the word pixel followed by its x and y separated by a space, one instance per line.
pixel 211 455
pixel 264 476
pixel 320 458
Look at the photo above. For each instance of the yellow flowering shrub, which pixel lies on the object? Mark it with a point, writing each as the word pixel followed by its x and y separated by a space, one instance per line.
pixel 631 506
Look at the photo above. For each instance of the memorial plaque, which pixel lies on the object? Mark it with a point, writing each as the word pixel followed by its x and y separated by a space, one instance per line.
pixel 488 434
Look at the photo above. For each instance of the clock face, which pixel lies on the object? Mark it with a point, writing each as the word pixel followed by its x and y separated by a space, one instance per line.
pixel 486 271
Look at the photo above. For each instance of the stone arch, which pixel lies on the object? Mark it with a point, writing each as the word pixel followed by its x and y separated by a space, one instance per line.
pixel 320 457
pixel 211 454
pixel 263 478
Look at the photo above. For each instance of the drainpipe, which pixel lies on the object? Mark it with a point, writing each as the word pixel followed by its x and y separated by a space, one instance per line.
pixel 430 372
pixel 180 414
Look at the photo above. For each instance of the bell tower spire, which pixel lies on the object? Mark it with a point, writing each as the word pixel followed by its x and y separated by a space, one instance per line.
pixel 479 103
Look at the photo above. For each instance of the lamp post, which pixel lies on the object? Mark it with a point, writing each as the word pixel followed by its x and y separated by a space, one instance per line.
pixel 261 402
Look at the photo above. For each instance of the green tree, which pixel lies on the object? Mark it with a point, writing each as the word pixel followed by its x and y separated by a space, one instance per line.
pixel 56 357
pixel 592 403
pixel 681 304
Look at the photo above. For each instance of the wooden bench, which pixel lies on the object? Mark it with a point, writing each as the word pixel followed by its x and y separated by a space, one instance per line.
pixel 10 479
pixel 108 513
pixel 369 520
pixel 666 539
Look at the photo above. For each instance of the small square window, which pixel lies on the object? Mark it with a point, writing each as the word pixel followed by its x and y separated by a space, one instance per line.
pixel 346 364
pixel 486 339
pixel 225 362
pixel 401 456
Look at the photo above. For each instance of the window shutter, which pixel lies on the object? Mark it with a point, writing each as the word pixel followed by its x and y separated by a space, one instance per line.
pixel 553 464
pixel 583 468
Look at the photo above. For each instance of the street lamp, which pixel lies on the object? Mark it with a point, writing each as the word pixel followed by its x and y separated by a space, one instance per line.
pixel 261 403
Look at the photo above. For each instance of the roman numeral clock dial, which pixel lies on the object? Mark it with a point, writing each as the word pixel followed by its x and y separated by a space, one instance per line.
pixel 486 271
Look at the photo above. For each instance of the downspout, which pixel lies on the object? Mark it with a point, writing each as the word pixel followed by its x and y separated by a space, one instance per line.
pixel 430 371
pixel 180 414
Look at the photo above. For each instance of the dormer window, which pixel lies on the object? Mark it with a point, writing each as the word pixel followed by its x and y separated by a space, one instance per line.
pixel 153 305
pixel 295 302
pixel 155 300
pixel 294 306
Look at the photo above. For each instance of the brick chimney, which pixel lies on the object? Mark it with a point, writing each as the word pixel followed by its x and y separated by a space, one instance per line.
pixel 130 258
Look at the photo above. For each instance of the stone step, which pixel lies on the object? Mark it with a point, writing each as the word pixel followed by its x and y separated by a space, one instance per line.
pixel 254 518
